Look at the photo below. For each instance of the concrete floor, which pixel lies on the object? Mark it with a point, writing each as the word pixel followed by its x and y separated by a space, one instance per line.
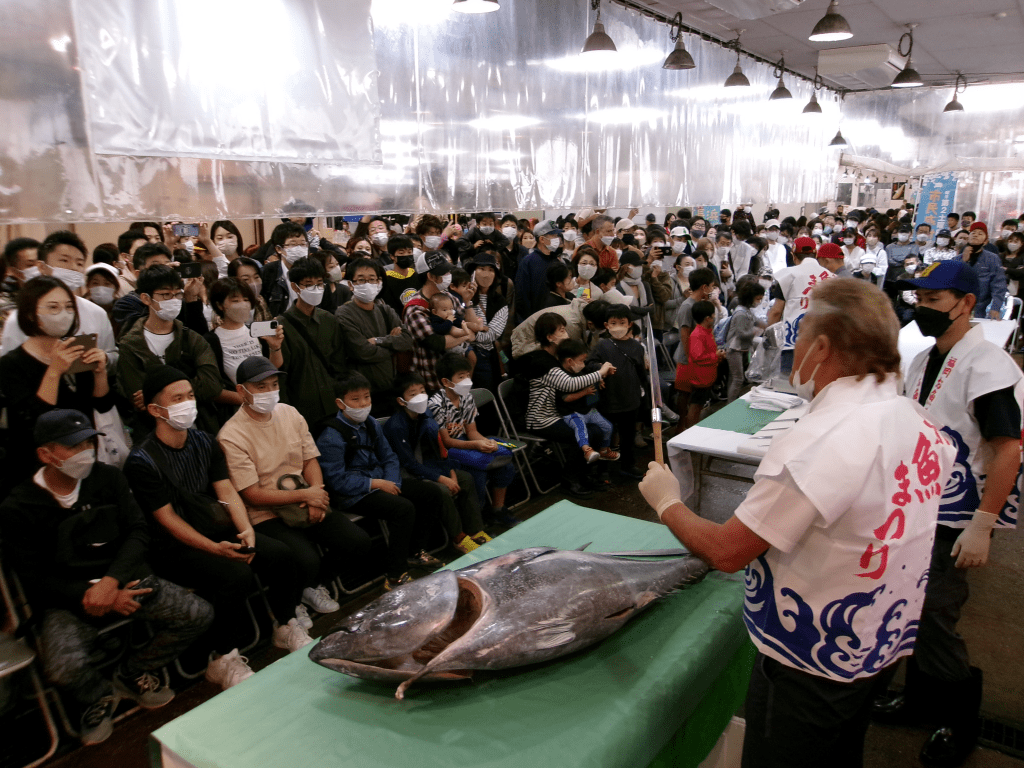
pixel 991 623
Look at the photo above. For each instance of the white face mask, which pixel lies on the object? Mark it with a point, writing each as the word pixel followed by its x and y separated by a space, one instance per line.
pixel 804 389
pixel 238 313
pixel 607 240
pixel 366 293
pixel 678 246
pixel 417 403
pixel 432 242
pixel 942 242
pixel 168 309
pixel 335 274
pixel 636 272
pixel 569 235
pixel 312 296
pixel 922 237
pixel 72 279
pixel 554 243
pixel 264 402
pixel 722 251
pixel 911 268
pixel 509 232
pixel 1005 233
pixel 356 415
pixel 295 252
pixel 851 224
pixel 871 241
pixel 446 280
pixel 773 236
pixel 379 239
pixel 783 240
pixel 28 274
pixel 817 231
pixel 463 388
pixel 80 465
pixel 687 270
pixel 847 241
pixel 486 230
pixel 903 237
pixel 189 246
pixel 228 247
pixel 1013 247
pixel 182 415
pixel 56 326
pixel 587 271
pixel 416 253
pixel 641 238
pixel 101 294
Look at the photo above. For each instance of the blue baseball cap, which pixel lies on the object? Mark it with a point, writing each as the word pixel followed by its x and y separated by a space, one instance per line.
pixel 953 275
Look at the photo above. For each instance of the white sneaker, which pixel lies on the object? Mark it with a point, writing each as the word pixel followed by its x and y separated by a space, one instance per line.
pixel 291 636
pixel 303 616
pixel 319 599
pixel 228 670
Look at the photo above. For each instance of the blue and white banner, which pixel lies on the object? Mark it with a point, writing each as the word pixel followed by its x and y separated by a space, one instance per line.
pixel 935 201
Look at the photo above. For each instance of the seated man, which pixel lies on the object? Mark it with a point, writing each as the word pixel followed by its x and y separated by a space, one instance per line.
pixel 414 437
pixel 200 527
pixel 77 540
pixel 363 476
pixel 271 455
pixel 130 308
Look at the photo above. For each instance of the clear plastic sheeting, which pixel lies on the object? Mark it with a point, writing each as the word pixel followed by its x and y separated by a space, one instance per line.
pixel 495 111
pixel 177 78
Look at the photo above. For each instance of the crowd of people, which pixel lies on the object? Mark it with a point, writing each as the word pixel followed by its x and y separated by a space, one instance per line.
pixel 184 413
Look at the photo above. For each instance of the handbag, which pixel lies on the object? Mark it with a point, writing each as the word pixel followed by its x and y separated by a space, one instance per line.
pixel 114 444
pixel 292 515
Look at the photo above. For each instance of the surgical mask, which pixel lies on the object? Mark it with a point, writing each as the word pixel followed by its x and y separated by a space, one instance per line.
pixel 56 326
pixel 607 240
pixel 1005 233
pixel 80 465
pixel 189 246
pixel 773 236
pixel 640 238
pixel 446 280
pixel 367 292
pixel 432 242
pixel 697 232
pixel 866 266
pixel 335 274
pixel 871 241
pixel 357 415
pixel 227 247
pixel 847 241
pixel 636 272
pixel 658 264
pixel 312 296
pixel 554 243
pixel 509 232
pixel 587 271
pixel 827 229
pixel 678 247
pixel 182 415
pixel 101 294
pixel 911 268
pixel 463 388
pixel 417 404
pixel 903 237
pixel 818 231
pixel 295 252
pixel 380 239
pixel 618 332
pixel 932 322
pixel 942 242
pixel 804 389
pixel 723 252
pixel 417 252
pixel 783 240
pixel 570 235
pixel 238 313
pixel 922 237
pixel 1013 247
pixel 264 402
pixel 71 278
pixel 168 309
pixel 687 271
pixel 851 224
pixel 486 230
pixel 28 274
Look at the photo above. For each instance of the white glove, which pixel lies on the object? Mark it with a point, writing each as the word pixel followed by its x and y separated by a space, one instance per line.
pixel 660 488
pixel 971 547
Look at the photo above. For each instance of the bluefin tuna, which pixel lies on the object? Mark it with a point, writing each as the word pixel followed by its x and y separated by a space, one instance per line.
pixel 529 606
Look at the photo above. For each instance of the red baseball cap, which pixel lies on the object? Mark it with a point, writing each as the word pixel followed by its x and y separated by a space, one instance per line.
pixel 979 225
pixel 804 245
pixel 830 251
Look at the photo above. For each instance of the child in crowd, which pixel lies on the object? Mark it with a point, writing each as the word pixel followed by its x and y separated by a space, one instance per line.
pixel 415 438
pixel 579 407
pixel 700 371
pixel 623 393
pixel 455 413
pixel 743 327
pixel 443 320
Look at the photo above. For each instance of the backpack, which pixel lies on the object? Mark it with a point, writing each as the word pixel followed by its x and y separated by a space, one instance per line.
pixel 721 331
pixel 349 435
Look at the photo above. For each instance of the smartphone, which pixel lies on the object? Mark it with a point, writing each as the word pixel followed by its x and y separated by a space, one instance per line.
pixel 186 230
pixel 190 269
pixel 246 550
pixel 266 328
pixel 87 340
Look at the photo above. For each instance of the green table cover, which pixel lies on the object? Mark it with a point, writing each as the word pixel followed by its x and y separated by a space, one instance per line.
pixel 618 703
pixel 738 416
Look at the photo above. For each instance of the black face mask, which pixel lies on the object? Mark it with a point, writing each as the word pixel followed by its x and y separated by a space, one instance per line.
pixel 404 262
pixel 932 322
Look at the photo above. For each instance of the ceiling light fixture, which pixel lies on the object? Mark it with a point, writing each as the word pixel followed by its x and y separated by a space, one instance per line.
pixel 813 107
pixel 954 105
pixel 598 42
pixel 680 58
pixel 475 6
pixel 832 27
pixel 908 78
pixel 838 140
pixel 737 79
pixel 781 91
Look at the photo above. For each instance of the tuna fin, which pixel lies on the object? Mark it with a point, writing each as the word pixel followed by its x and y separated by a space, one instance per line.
pixel 580 549
pixel 552 633
pixel 648 553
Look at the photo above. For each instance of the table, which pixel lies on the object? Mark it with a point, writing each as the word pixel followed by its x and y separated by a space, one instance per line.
pixel 716 437
pixel 912 341
pixel 659 692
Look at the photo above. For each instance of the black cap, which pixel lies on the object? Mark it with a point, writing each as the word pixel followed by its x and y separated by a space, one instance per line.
pixel 63 426
pixel 851 231
pixel 907 227
pixel 944 233
pixel 631 258
pixel 255 368
pixel 157 378
pixel 481 260
pixel 437 264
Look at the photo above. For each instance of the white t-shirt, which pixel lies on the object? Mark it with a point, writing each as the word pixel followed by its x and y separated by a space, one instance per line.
pixel 68 500
pixel 158 343
pixel 236 346
pixel 848 499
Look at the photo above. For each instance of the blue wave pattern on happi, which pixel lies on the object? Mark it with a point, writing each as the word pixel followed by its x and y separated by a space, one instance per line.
pixel 828 644
pixel 960 497
pixel 789 332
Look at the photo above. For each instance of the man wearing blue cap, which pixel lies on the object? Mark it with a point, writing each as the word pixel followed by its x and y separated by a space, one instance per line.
pixel 975 390
pixel 77 540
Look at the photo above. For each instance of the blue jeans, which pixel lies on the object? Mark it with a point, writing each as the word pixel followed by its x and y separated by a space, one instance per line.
pixel 500 476
pixel 602 428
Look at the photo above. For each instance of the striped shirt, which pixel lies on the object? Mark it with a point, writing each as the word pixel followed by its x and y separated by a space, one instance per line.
pixel 496 325
pixel 448 415
pixel 541 410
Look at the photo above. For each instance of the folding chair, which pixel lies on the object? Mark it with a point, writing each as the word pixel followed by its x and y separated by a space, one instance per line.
pixel 509 432
pixel 1013 303
pixel 482 397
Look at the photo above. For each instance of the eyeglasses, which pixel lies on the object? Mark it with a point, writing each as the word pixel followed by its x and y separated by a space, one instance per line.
pixel 366 281
pixel 166 296
pixel 54 308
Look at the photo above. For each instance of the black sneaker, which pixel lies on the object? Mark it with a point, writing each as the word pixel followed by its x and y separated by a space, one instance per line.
pixel 147 690
pixel 501 516
pixel 97 724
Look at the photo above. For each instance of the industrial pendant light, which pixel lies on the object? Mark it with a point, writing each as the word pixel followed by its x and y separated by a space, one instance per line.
pixel 832 27
pixel 813 107
pixel 781 91
pixel 737 79
pixel 598 42
pixel 475 6
pixel 680 58
pixel 908 78
pixel 838 140
pixel 954 105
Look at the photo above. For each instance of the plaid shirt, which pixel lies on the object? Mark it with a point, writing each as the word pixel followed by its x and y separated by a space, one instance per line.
pixel 417 320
